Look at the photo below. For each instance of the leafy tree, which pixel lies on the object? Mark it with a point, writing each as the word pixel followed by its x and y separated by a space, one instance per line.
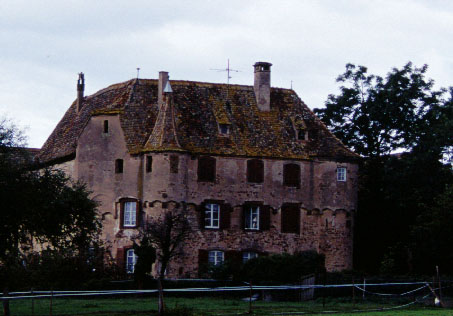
pixel 377 116
pixel 40 208
pixel 166 234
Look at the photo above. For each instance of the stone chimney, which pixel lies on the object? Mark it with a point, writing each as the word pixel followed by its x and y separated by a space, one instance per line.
pixel 80 90
pixel 262 85
pixel 163 79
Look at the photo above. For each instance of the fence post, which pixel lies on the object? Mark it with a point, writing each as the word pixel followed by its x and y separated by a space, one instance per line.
pixel 6 310
pixel 250 299
pixel 440 286
pixel 51 302
pixel 364 288
pixel 32 303
pixel 353 292
pixel 324 290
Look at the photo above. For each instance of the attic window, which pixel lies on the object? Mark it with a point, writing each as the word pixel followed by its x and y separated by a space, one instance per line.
pixel 301 134
pixel 224 129
pixel 341 174
pixel 106 127
pixel 119 166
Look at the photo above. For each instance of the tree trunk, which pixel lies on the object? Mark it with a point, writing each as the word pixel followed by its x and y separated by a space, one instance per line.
pixel 161 306
pixel 6 311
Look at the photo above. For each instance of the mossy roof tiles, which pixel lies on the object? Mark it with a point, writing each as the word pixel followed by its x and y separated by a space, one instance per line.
pixel 198 109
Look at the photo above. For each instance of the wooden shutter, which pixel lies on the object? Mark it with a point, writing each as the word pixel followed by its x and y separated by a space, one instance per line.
pixel 225 215
pixel 122 214
pixel 255 171
pixel 291 175
pixel 120 258
pixel 138 213
pixel 203 257
pixel 245 207
pixel 201 215
pixel 290 220
pixel 206 169
pixel 265 217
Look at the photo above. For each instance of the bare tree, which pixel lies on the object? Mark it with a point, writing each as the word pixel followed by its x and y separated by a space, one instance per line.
pixel 166 233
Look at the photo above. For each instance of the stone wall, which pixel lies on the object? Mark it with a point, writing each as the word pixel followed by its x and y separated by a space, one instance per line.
pixel 327 205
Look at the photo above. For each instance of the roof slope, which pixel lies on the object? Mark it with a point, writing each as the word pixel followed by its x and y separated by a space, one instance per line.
pixel 198 108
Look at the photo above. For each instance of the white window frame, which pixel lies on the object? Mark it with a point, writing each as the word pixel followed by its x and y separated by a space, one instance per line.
pixel 131 260
pixel 130 214
pixel 212 216
pixel 341 174
pixel 216 257
pixel 252 218
pixel 247 255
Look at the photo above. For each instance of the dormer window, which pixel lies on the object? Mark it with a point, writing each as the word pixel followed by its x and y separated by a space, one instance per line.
pixel 301 134
pixel 224 129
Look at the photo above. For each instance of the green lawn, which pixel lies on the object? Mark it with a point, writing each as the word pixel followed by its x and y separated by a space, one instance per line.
pixel 207 306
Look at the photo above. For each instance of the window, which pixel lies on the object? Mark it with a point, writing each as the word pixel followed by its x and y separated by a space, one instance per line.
pixel 290 218
pixel 174 164
pixel 149 164
pixel 131 260
pixel 224 129
pixel 301 135
pixel 252 217
pixel 341 174
pixel 246 256
pixel 128 214
pixel 206 169
pixel 215 257
pixel 212 216
pixel 291 175
pixel 119 166
pixel 106 127
pixel 255 171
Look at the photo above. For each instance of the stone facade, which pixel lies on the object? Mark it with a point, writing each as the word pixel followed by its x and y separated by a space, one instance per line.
pixel 134 142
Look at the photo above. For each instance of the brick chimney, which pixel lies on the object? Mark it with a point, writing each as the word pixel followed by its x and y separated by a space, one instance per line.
pixel 163 79
pixel 80 90
pixel 262 85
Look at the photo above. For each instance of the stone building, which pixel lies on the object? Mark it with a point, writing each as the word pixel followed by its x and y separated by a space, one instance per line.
pixel 253 168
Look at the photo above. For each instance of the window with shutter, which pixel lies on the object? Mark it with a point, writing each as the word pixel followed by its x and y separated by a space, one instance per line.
pixel 212 215
pixel 129 213
pixel 216 257
pixel 290 218
pixel 206 169
pixel 291 175
pixel 255 171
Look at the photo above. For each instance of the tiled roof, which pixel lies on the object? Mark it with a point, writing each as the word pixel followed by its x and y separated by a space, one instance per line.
pixel 198 108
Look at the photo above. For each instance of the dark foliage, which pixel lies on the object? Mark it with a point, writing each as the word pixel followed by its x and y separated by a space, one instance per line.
pixel 40 209
pixel 282 268
pixel 376 117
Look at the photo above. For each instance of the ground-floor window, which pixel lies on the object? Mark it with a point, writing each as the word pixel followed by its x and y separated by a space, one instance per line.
pixel 215 257
pixel 131 260
pixel 247 255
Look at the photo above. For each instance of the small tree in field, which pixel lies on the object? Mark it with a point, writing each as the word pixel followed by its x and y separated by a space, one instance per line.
pixel 165 233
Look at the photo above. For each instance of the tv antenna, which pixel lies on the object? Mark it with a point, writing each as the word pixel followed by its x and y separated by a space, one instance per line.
pixel 138 72
pixel 228 70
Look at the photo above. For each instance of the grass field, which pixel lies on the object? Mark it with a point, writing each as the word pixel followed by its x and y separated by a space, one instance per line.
pixel 210 306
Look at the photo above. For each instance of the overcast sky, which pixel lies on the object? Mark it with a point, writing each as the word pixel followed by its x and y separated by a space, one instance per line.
pixel 44 44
